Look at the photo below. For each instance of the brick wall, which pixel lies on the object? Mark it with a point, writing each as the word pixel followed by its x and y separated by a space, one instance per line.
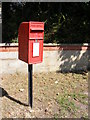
pixel 56 57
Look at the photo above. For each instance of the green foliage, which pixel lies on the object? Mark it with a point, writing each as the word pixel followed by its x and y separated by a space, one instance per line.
pixel 64 22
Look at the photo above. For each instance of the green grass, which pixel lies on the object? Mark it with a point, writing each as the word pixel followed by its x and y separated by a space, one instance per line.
pixel 55 116
pixel 80 97
pixel 67 102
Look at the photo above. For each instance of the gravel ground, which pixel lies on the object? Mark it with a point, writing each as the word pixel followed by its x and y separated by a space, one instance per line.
pixel 55 95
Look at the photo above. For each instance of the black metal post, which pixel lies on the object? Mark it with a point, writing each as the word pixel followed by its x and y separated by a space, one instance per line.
pixel 30 85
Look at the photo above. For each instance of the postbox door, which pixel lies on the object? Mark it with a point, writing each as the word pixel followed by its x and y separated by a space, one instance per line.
pixel 35 51
pixel 36 34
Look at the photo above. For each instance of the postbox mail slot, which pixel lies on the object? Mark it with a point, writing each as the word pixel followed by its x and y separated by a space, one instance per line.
pixel 36 26
pixel 36 35
pixel 40 29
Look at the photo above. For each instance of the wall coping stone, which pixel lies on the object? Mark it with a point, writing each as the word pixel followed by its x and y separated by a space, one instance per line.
pixel 45 45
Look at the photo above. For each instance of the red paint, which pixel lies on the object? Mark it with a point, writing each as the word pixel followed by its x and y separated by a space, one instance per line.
pixel 29 33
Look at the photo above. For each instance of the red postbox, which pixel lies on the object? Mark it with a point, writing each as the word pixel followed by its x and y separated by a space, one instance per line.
pixel 30 39
pixel 30 50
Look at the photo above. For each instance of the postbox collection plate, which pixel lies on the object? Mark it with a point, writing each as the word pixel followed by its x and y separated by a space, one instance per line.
pixel 35 49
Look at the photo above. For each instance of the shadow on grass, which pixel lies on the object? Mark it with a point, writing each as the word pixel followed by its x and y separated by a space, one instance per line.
pixel 5 93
